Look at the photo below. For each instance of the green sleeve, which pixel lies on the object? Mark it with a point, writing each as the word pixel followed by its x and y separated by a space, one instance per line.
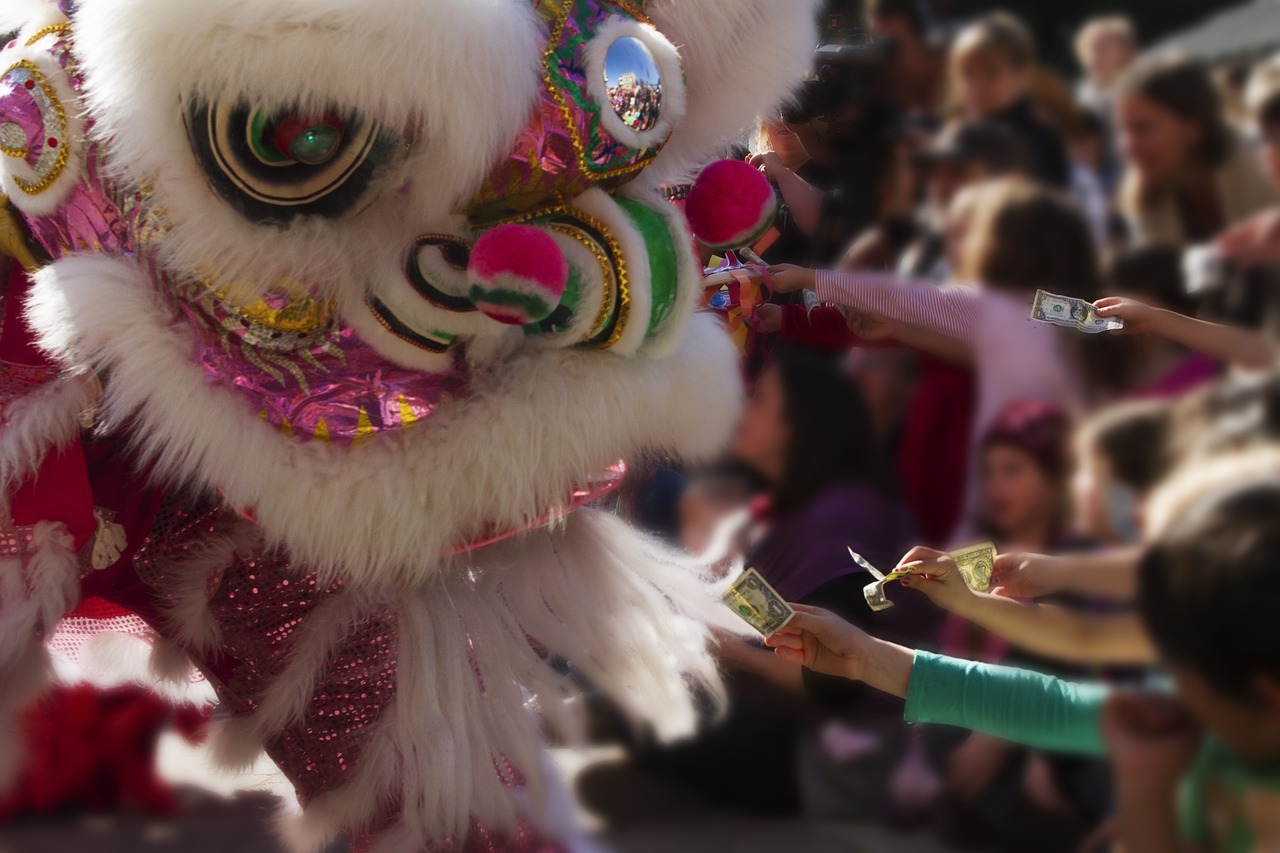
pixel 1014 704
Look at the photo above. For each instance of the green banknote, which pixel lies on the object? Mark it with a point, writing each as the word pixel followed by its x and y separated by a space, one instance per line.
pixel 757 603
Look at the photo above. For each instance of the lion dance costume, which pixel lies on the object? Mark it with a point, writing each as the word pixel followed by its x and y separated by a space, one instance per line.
pixel 325 317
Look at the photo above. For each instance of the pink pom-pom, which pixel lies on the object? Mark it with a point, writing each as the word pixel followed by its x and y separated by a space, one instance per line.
pixel 517 274
pixel 731 205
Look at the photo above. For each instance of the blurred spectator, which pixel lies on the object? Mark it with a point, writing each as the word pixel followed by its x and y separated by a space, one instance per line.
pixel 1024 464
pixel 918 66
pixel 780 153
pixel 1089 184
pixel 992 70
pixel 1190 174
pixel 1105 48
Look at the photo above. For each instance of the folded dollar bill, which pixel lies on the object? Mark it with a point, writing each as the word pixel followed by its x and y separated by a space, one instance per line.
pixel 1071 313
pixel 757 603
pixel 976 564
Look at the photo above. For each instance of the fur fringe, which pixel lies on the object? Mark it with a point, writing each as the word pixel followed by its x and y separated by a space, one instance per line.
pixel 49 588
pixel 46 419
pixel 625 613
pixel 531 427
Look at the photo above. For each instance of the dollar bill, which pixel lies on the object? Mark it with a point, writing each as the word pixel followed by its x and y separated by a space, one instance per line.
pixel 757 603
pixel 976 564
pixel 1071 313
pixel 874 591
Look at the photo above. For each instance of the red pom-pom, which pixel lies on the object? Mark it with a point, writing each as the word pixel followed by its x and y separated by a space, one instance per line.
pixel 731 205
pixel 517 274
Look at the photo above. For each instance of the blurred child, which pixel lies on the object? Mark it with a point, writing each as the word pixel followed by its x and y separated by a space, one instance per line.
pixel 1208 597
pixel 1105 48
pixel 992 68
pixel 1023 478
pixel 1021 238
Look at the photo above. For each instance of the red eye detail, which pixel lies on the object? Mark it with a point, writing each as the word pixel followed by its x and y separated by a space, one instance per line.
pixel 308 139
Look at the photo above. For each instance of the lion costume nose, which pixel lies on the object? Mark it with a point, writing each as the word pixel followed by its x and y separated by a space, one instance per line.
pixel 517 274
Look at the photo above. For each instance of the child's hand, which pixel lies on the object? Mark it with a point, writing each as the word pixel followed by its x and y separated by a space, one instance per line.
pixel 1256 240
pixel 822 641
pixel 1139 318
pixel 768 316
pixel 786 278
pixel 1025 576
pixel 937 576
pixel 1151 740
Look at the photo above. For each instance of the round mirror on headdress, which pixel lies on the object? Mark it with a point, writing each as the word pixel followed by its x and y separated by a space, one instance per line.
pixel 633 83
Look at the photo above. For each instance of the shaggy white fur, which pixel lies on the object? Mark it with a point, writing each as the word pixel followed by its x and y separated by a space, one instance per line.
pixel 418 67
pixel 37 592
pixel 532 426
pixel 741 58
pixel 46 419
pixel 626 614
pixel 16 14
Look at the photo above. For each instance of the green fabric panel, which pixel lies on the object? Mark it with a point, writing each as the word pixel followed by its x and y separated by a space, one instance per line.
pixel 664 264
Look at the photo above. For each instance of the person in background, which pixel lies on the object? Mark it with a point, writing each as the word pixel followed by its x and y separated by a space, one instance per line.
pixel 1190 175
pixel 1105 48
pixel 1089 183
pixel 1023 237
pixel 993 64
pixel 807 433
pixel 918 67
pixel 779 152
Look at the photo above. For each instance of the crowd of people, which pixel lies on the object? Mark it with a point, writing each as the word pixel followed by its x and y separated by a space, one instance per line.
pixel 1121 684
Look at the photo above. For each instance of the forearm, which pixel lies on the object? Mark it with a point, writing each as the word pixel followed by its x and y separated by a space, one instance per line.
pixel 1062 634
pixel 885 666
pixel 1108 574
pixel 1242 347
pixel 803 200
pixel 1018 705
pixel 950 311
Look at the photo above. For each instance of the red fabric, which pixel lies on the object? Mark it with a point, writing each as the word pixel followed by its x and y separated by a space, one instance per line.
pixel 823 328
pixel 58 491
pixel 17 343
pixel 933 451
pixel 91 749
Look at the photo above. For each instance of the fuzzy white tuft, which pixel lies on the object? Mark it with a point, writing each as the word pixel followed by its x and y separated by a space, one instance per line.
pixel 532 427
pixel 742 58
pixel 46 419
pixel 415 66
pixel 16 14
pixel 37 591
pixel 626 614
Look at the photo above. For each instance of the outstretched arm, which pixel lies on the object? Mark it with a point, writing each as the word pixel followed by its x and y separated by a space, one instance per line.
pixel 948 310
pixel 1039 628
pixel 1108 574
pixel 1242 347
pixel 1014 704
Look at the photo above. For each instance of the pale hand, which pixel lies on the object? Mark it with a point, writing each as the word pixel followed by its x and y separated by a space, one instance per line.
pixel 769 316
pixel 1139 318
pixel 1254 241
pixel 786 278
pixel 937 576
pixel 769 163
pixel 1024 576
pixel 821 641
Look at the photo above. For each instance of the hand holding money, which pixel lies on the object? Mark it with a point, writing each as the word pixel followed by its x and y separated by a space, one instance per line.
pixel 1137 318
pixel 757 603
pixel 1073 313
pixel 948 579
pixel 821 641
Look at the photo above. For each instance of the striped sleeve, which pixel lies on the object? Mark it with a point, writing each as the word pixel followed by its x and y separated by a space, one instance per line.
pixel 949 310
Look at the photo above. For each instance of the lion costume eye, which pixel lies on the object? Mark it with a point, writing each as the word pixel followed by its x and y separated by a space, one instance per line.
pixel 276 167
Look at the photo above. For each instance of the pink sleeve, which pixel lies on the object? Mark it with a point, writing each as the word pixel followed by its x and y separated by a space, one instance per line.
pixel 949 310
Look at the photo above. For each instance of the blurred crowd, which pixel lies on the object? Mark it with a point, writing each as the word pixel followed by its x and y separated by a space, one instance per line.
pixel 903 400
